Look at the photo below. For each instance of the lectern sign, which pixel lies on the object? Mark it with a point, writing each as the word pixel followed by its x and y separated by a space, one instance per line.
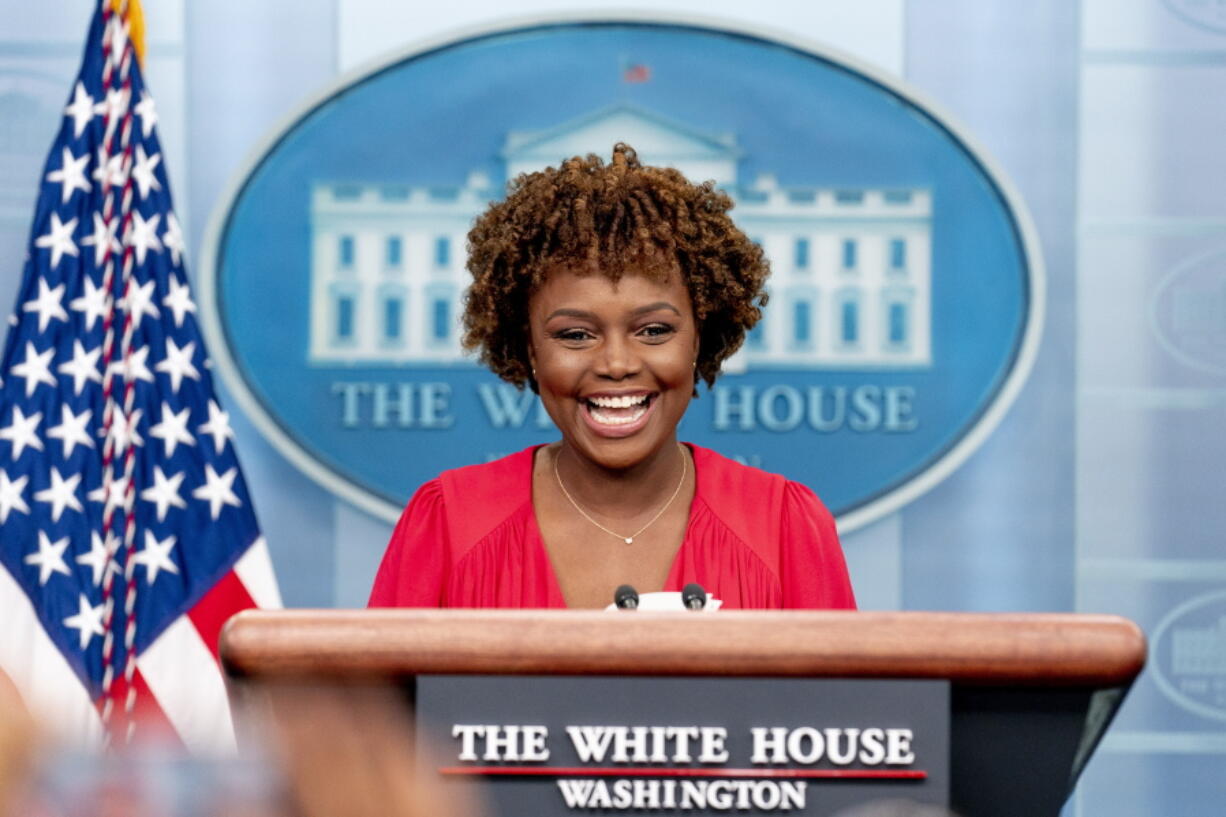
pixel 560 745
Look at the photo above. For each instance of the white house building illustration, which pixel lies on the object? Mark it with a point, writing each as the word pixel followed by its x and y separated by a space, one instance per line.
pixel 1200 651
pixel 851 267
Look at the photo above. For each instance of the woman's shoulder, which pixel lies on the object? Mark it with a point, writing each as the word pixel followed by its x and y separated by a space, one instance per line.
pixel 722 474
pixel 742 495
pixel 485 494
pixel 443 521
pixel 784 523
pixel 517 466
pixel 755 504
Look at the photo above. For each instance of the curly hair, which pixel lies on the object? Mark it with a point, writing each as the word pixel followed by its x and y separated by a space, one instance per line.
pixel 592 218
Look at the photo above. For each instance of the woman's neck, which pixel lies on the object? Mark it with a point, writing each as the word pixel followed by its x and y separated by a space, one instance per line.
pixel 620 492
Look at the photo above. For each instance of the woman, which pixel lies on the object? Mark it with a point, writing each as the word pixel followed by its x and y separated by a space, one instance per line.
pixel 611 290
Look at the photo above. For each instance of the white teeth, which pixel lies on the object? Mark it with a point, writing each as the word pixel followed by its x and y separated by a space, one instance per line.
pixel 609 420
pixel 611 411
pixel 625 401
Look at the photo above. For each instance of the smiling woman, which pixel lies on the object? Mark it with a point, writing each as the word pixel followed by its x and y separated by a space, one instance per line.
pixel 611 290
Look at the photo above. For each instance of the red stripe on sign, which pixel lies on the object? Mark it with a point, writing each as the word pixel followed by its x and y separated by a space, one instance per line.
pixel 147 714
pixel 586 771
pixel 223 600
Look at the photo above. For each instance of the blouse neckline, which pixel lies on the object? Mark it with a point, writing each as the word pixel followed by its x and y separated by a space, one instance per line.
pixel 556 598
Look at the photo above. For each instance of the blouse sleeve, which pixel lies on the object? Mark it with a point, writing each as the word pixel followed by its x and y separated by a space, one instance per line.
pixel 812 567
pixel 415 566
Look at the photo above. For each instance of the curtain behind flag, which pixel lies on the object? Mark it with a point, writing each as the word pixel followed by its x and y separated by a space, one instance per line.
pixel 127 535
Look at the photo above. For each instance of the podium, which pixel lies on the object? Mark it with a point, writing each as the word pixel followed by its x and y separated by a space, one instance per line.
pixel 1030 695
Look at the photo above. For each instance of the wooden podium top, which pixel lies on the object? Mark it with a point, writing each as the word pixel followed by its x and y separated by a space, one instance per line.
pixel 1032 649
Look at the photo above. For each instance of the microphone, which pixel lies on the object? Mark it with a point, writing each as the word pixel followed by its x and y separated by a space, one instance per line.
pixel 693 596
pixel 626 598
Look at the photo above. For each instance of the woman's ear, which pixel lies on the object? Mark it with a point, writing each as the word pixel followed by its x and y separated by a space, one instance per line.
pixel 532 370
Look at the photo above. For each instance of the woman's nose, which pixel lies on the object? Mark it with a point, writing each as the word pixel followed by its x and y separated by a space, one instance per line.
pixel 618 359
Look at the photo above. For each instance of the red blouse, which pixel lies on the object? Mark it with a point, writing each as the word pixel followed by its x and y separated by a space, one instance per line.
pixel 470 539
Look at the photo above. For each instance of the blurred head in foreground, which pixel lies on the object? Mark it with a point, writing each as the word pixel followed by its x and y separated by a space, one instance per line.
pixel 16 746
pixel 336 751
pixel 349 751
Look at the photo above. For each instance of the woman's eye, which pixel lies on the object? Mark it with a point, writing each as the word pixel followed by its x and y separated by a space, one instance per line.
pixel 656 331
pixel 573 335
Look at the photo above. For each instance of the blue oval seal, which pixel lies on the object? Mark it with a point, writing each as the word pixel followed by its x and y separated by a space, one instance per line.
pixel 906 294
pixel 1207 15
pixel 1189 655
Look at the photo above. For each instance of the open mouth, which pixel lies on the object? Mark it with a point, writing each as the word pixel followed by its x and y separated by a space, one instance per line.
pixel 618 410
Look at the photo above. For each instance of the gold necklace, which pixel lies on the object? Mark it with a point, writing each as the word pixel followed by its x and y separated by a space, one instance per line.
pixel 629 540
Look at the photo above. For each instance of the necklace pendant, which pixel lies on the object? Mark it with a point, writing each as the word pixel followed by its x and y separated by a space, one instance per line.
pixel 629 540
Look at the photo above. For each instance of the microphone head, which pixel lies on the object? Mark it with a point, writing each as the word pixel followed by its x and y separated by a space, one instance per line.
pixel 693 596
pixel 626 597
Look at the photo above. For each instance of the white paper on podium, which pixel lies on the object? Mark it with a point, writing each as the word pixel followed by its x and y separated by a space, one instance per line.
pixel 669 600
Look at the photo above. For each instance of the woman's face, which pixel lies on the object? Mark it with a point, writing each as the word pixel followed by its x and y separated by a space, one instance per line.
pixel 614 362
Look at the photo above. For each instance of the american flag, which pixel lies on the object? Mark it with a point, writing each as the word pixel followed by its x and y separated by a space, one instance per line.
pixel 127 535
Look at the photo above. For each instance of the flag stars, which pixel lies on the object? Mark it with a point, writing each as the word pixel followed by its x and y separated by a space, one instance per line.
pixel 110 171
pixel 172 429
pixel 59 239
pixel 179 301
pixel 145 171
pixel 123 431
pixel 142 237
pixel 164 492
pixel 61 494
pixel 49 558
pixel 71 175
pixel 218 490
pixel 133 367
pixel 81 109
pixel 49 304
pixel 147 112
pixel 113 106
pixel 71 430
pixel 11 495
pixel 139 301
pixel 217 427
pixel 98 557
pixel 83 367
pixel 93 303
pixel 87 621
pixel 117 41
pixel 173 238
pixel 22 431
pixel 155 557
pixel 103 240
pixel 111 493
pixel 35 368
pixel 178 363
